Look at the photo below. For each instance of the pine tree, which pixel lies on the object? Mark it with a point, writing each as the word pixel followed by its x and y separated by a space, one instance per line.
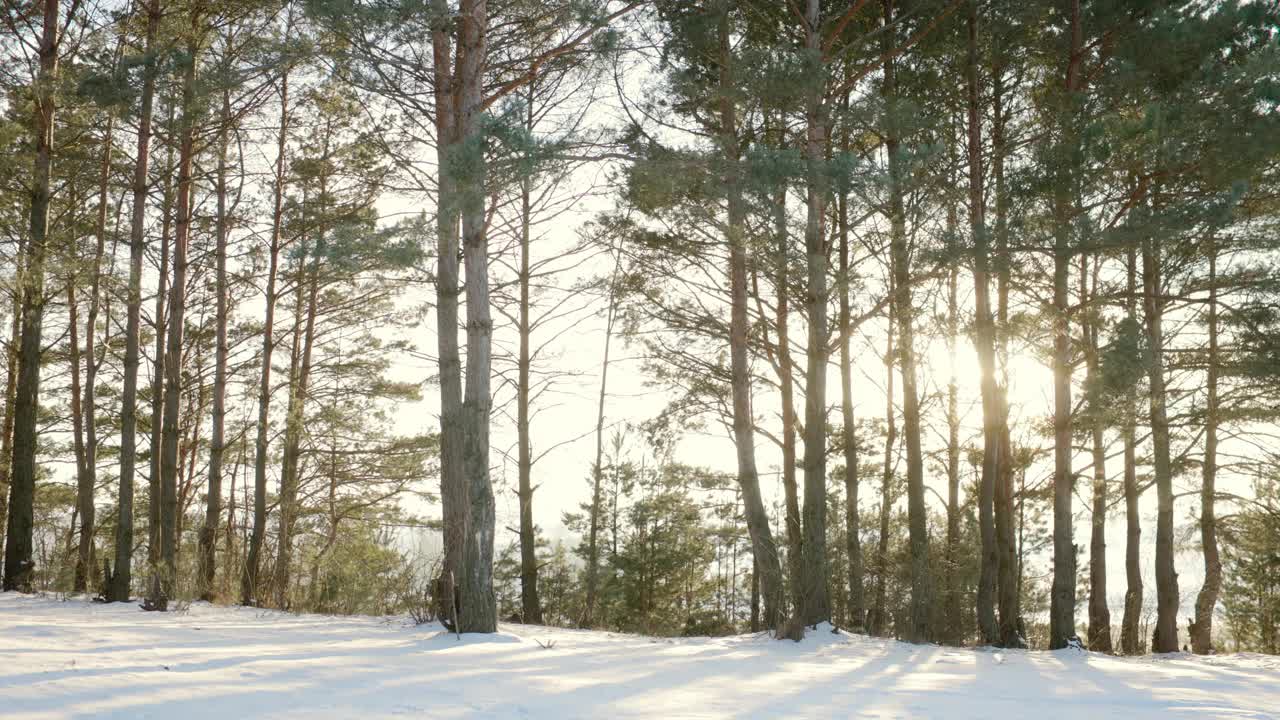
pixel 18 563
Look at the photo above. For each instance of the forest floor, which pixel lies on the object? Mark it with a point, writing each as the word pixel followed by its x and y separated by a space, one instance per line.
pixel 65 659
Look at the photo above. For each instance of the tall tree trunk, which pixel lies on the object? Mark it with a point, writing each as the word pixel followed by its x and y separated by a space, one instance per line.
pixel 816 605
pixel 597 469
pixel 1130 640
pixel 1063 593
pixel 1006 546
pixel 229 568
pixel 954 615
pixel 478 611
pixel 250 586
pixel 920 629
pixel 857 612
pixel 985 345
pixel 1202 626
pixel 953 612
pixel 454 495
pixel 173 352
pixel 879 611
pixel 305 312
pixel 18 565
pixel 217 440
pixel 157 370
pixel 10 388
pixel 84 491
pixel 530 605
pixel 1062 598
pixel 306 307
pixel 88 479
pixel 1165 637
pixel 786 383
pixel 1099 632
pixel 755 595
pixel 764 549
pixel 191 433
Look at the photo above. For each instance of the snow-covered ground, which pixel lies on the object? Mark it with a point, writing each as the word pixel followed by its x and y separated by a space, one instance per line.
pixel 77 659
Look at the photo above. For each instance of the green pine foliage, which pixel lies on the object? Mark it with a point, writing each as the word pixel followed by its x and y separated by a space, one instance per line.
pixel 1251 567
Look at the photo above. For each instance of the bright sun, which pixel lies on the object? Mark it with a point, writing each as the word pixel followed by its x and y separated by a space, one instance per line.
pixel 1030 380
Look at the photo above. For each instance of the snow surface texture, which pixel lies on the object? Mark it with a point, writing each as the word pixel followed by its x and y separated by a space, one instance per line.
pixel 77 659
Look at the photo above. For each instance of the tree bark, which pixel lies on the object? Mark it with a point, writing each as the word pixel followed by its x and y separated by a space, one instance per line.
pixel 985 345
pixel 454 495
pixel 250 584
pixel 158 363
pixel 597 469
pixel 478 611
pixel 229 570
pixel 786 383
pixel 1165 636
pixel 122 574
pixel 18 565
pixel 857 612
pixel 88 478
pixel 755 595
pixel 1099 631
pixel 953 629
pixel 879 611
pixel 920 628
pixel 530 605
pixel 1062 598
pixel 84 491
pixel 764 549
pixel 306 307
pixel 1202 626
pixel 217 440
pixel 1008 593
pixel 1063 593
pixel 1130 640
pixel 10 389
pixel 816 605
pixel 954 615
pixel 169 439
